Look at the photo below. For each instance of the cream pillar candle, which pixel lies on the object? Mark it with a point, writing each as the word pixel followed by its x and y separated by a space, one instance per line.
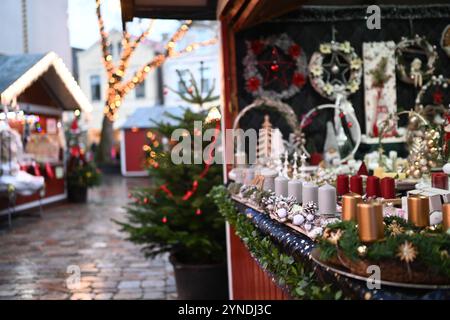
pixel 269 179
pixel 281 186
pixel 309 192
pixel 295 189
pixel 327 200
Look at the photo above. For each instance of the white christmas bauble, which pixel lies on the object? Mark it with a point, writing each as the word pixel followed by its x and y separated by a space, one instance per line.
pixel 317 231
pixel 446 168
pixel 282 212
pixel 310 217
pixel 307 226
pixel 298 220
pixel 436 217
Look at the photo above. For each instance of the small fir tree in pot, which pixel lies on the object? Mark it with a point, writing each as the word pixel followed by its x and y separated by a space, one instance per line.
pixel 174 215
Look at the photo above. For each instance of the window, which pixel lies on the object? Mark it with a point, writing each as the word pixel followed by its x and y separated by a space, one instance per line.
pixel 205 85
pixel 140 90
pixel 181 87
pixel 95 88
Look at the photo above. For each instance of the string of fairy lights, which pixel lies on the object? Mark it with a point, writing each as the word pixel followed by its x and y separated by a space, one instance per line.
pixel 118 87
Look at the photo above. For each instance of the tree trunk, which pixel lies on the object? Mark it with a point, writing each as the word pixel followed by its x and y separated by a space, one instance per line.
pixel 106 142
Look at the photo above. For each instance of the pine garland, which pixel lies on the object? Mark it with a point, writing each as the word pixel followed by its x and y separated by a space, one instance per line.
pixel 297 278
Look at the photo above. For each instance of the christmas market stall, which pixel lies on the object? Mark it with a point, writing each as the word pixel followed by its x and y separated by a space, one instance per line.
pixel 35 91
pixel 138 138
pixel 337 186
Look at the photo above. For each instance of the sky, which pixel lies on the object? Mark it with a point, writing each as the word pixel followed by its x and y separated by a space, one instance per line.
pixel 83 25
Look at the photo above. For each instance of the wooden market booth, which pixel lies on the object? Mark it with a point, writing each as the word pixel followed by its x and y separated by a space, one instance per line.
pixel 310 23
pixel 36 89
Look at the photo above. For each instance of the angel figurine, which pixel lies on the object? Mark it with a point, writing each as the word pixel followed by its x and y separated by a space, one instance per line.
pixel 416 72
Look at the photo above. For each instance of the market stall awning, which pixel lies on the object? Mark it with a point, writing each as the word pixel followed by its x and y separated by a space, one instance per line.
pixel 169 9
pixel 20 72
pixel 146 117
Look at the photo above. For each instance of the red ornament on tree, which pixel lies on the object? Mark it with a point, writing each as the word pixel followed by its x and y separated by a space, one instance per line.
pixel 298 79
pixel 274 67
pixel 198 212
pixel 295 50
pixel 253 84
pixel 164 219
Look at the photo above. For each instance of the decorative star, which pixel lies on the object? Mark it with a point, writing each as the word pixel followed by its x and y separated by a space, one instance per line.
pixel 336 68
pixel 275 69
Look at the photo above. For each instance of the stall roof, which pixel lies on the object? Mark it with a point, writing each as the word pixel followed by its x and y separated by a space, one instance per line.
pixel 19 72
pixel 169 9
pixel 146 117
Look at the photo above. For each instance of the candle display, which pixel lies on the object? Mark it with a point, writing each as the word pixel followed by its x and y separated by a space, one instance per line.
pixel 281 186
pixel 370 222
pixel 349 206
pixel 309 192
pixel 446 216
pixel 439 180
pixel 356 184
pixel 342 184
pixel 373 187
pixel 327 199
pixel 295 189
pixel 419 211
pixel 387 188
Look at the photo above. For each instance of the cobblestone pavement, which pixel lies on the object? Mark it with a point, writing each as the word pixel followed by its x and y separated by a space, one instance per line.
pixel 39 257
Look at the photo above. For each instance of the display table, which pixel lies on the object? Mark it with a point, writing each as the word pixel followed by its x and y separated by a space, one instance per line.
pixel 299 246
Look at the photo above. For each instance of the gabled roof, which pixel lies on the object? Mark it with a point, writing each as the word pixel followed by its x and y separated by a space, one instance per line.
pixel 146 117
pixel 19 72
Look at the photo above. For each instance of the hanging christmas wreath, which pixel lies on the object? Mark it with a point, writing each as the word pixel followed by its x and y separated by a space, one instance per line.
pixel 335 69
pixel 445 40
pixel 410 66
pixel 275 67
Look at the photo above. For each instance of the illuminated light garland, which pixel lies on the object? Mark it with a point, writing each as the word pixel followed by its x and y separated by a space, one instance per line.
pixel 117 90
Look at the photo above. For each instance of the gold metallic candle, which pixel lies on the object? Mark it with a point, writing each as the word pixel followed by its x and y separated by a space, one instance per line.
pixel 349 203
pixel 379 213
pixel 370 222
pixel 419 211
pixel 446 216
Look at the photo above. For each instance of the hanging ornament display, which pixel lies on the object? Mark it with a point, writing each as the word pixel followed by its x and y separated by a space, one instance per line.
pixel 380 95
pixel 410 67
pixel 335 70
pixel 275 67
pixel 445 40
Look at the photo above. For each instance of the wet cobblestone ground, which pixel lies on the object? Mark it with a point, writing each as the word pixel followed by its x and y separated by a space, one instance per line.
pixel 38 256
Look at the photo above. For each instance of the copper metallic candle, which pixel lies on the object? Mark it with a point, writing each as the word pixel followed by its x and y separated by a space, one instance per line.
pixel 379 213
pixel 349 206
pixel 446 216
pixel 370 222
pixel 373 187
pixel 342 184
pixel 419 211
pixel 356 184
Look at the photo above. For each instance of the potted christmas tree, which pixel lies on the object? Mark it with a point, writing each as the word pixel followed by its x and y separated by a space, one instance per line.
pixel 174 214
pixel 81 173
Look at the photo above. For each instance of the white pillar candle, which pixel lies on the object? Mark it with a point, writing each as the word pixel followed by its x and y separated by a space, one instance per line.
pixel 309 192
pixel 269 179
pixel 295 189
pixel 249 175
pixel 281 186
pixel 327 200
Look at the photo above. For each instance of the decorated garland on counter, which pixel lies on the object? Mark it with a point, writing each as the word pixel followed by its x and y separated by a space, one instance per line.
pixel 406 254
pixel 300 282
pixel 415 73
pixel 281 74
pixel 335 70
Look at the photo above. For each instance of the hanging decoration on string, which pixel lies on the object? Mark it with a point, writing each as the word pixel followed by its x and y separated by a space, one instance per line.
pixel 275 67
pixel 335 70
pixel 433 99
pixel 411 67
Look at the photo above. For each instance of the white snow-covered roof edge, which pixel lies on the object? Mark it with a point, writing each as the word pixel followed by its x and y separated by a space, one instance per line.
pixel 27 78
